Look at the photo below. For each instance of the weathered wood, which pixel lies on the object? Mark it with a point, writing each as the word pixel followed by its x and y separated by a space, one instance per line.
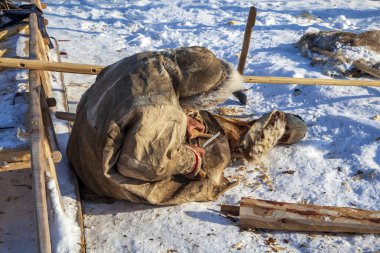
pixel 309 81
pixel 13 30
pixel 36 137
pixel 230 210
pixel 256 213
pixel 14 155
pixel 39 165
pixel 14 166
pixel 50 66
pixel 23 155
pixel 247 38
pixel 68 116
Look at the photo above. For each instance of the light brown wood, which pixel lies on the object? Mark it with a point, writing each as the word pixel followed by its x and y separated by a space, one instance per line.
pixel 14 166
pixel 94 70
pixel 44 76
pixel 256 213
pixel 309 81
pixel 68 116
pixel 12 30
pixel 39 162
pixel 37 2
pixel 50 66
pixel 23 155
pixel 44 5
pixel 247 38
pixel 14 155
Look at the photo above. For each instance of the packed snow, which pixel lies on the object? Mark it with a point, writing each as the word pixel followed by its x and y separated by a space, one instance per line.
pixel 337 164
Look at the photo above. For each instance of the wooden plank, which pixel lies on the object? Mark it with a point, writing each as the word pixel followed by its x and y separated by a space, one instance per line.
pixel 14 155
pixel 13 30
pixel 256 213
pixel 14 166
pixel 36 137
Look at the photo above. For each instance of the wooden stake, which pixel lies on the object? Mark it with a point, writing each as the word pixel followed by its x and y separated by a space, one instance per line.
pixel 256 213
pixel 247 38
pixel 240 95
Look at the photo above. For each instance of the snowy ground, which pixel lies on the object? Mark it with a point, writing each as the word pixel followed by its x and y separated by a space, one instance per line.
pixel 342 141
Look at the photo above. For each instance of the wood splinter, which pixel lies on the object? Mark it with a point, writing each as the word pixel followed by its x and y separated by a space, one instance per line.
pixel 265 214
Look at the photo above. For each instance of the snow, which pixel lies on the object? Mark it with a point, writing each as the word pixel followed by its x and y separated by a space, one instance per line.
pixel 336 164
pixel 322 169
pixel 66 234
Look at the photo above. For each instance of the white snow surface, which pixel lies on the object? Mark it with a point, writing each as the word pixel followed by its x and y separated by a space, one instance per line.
pixel 342 139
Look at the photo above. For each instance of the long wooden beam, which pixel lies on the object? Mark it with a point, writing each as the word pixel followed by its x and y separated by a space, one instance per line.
pixel 95 69
pixel 50 66
pixel 309 81
pixel 39 163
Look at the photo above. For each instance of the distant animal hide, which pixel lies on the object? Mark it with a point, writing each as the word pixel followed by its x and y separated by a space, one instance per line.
pixel 344 53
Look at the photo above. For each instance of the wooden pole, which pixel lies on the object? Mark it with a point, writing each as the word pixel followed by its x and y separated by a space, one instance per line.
pixel 36 137
pixel 44 75
pixel 309 81
pixel 256 213
pixel 95 69
pixel 50 66
pixel 244 51
pixel 39 165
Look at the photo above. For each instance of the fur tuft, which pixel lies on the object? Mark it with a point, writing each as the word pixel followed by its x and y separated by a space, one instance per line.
pixel 233 83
